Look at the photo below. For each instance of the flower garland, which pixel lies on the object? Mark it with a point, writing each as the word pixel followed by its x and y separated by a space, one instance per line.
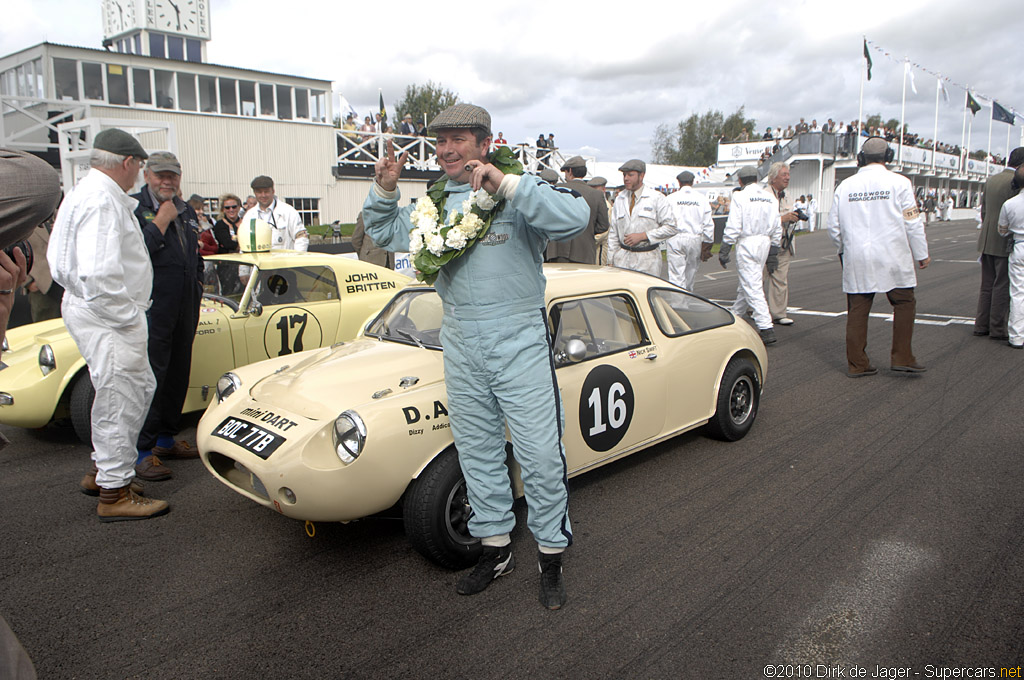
pixel 434 242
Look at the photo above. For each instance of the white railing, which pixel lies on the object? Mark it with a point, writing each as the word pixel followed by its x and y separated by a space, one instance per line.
pixel 365 148
pixel 26 122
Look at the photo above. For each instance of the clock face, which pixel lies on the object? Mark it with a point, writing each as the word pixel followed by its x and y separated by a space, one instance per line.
pixel 182 17
pixel 118 17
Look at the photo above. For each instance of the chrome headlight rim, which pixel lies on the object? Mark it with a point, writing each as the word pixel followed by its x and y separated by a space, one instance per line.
pixel 349 436
pixel 227 384
pixel 47 360
pixel 4 345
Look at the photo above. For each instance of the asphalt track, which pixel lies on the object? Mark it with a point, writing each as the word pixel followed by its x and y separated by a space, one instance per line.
pixel 874 523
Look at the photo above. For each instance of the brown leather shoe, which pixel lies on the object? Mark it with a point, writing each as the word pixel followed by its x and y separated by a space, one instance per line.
pixel 910 368
pixel 180 451
pixel 89 486
pixel 152 470
pixel 117 505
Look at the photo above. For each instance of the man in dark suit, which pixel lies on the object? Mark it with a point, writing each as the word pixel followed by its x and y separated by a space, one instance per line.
pixel 994 297
pixel 581 249
pixel 170 228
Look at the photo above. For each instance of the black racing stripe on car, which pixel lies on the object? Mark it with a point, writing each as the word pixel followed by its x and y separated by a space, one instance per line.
pixel 558 423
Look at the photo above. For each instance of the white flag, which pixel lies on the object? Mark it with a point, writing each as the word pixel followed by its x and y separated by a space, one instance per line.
pixel 942 89
pixel 910 72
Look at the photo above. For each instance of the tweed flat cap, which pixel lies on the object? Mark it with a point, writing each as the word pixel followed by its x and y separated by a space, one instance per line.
pixel 635 164
pixel 119 142
pixel 747 172
pixel 875 146
pixel 598 182
pixel 262 182
pixel 574 162
pixel 461 116
pixel 549 176
pixel 685 177
pixel 29 191
pixel 163 161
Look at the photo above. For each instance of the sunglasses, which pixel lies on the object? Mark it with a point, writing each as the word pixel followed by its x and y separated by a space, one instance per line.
pixel 232 207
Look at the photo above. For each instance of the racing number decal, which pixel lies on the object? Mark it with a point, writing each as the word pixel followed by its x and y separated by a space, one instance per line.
pixel 606 407
pixel 291 329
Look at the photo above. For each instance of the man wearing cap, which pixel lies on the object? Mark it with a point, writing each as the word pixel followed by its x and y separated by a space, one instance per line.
pixel 601 184
pixel 170 228
pixel 583 248
pixel 692 245
pixel 754 229
pixel 498 365
pixel 641 219
pixel 876 225
pixel 98 254
pixel 289 233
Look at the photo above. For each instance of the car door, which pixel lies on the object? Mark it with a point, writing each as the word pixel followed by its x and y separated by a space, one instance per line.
pixel 614 397
pixel 300 311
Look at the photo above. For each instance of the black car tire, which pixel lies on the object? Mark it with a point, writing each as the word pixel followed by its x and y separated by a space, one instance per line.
pixel 80 406
pixel 738 399
pixel 436 512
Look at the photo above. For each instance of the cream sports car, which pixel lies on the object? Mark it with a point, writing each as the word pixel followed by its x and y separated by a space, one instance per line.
pixel 255 306
pixel 344 432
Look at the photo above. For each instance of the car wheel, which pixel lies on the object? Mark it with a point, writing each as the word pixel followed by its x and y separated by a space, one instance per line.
pixel 738 398
pixel 436 513
pixel 82 396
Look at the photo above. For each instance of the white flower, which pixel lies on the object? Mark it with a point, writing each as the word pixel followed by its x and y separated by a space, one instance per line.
pixel 424 215
pixel 453 216
pixel 471 225
pixel 415 241
pixel 467 205
pixel 435 244
pixel 456 239
pixel 483 200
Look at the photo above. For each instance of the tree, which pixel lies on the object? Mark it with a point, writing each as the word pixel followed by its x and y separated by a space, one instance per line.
pixel 429 99
pixel 694 141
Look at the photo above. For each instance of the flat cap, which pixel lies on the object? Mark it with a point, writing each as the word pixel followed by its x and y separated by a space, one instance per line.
pixel 574 162
pixel 598 181
pixel 747 172
pixel 119 142
pixel 875 146
pixel 549 176
pixel 685 177
pixel 635 164
pixel 163 161
pixel 29 191
pixel 262 182
pixel 461 116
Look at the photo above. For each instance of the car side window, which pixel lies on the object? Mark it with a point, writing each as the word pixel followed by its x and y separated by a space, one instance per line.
pixel 605 325
pixel 297 285
pixel 679 313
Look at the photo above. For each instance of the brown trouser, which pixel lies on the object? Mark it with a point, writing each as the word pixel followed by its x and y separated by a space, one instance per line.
pixel 994 297
pixel 858 307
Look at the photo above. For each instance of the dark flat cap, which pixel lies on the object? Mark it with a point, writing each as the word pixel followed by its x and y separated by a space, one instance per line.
pixel 685 177
pixel 574 162
pixel 598 182
pixel 875 146
pixel 262 182
pixel 747 172
pixel 549 176
pixel 29 191
pixel 461 116
pixel 635 164
pixel 163 161
pixel 119 142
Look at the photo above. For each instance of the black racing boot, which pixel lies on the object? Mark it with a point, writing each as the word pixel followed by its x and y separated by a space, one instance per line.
pixel 767 335
pixel 494 562
pixel 552 587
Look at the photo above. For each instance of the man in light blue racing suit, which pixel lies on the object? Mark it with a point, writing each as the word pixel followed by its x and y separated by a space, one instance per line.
pixel 497 360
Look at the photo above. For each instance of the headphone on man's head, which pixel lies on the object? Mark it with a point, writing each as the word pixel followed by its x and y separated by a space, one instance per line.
pixel 890 155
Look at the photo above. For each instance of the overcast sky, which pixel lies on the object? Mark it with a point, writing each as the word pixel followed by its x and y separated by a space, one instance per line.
pixel 602 79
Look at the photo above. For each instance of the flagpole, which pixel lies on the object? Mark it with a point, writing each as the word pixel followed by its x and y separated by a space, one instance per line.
pixel 860 110
pixel 988 146
pixel 935 134
pixel 970 126
pixel 963 128
pixel 903 107
pixel 1009 126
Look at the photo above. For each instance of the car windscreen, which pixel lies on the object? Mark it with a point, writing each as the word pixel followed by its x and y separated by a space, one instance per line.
pixel 413 317
pixel 225 281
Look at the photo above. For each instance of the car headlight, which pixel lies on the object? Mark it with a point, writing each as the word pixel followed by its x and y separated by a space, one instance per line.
pixel 47 362
pixel 5 346
pixel 349 436
pixel 226 386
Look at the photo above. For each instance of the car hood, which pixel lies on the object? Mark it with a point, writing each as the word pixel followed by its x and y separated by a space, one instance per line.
pixel 324 385
pixel 36 334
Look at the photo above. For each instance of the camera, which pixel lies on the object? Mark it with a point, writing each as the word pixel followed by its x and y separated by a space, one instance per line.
pixel 25 248
pixel 801 214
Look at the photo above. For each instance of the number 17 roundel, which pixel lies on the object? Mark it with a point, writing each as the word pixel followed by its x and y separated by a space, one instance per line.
pixel 606 407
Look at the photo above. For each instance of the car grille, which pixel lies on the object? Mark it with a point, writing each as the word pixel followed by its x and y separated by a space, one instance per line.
pixel 237 475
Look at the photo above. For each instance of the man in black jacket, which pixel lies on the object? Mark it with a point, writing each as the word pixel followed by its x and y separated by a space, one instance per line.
pixel 583 248
pixel 170 228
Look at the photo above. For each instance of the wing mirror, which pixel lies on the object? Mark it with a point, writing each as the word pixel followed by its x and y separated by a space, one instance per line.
pixel 574 352
pixel 256 308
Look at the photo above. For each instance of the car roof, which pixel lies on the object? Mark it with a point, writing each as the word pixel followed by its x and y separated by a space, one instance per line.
pixel 581 279
pixel 277 259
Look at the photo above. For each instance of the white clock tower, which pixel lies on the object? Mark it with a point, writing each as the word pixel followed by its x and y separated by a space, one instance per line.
pixel 170 29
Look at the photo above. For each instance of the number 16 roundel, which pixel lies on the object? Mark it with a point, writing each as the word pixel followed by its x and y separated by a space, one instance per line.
pixel 606 407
